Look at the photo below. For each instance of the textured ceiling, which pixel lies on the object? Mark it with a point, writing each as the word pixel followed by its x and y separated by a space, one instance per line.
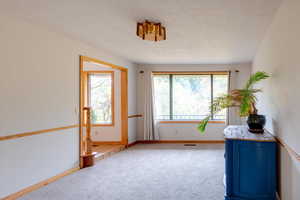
pixel 198 31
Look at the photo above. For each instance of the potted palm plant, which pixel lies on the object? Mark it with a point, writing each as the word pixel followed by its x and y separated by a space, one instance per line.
pixel 245 99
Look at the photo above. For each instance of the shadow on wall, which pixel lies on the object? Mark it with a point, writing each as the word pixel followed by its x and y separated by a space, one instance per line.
pixel 289 173
pixel 288 169
pixel 275 129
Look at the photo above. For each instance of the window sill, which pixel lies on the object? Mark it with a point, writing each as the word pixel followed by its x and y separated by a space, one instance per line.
pixel 188 122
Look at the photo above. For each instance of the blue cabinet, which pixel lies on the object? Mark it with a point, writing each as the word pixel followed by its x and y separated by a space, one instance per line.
pixel 251 166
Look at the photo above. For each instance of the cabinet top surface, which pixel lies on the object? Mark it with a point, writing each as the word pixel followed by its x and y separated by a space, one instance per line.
pixel 242 133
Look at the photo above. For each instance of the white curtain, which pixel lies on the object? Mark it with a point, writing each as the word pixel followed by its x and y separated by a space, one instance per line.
pixel 150 124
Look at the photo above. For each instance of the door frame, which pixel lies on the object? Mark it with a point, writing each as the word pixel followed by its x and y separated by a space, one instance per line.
pixel 124 101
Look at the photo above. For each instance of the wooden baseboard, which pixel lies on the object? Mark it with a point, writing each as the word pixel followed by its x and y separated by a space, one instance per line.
pixel 131 144
pixel 181 141
pixel 39 185
pixel 175 142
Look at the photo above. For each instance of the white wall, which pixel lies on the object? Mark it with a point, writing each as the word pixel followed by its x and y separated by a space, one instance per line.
pixel 39 85
pixel 132 105
pixel 189 131
pixel 279 55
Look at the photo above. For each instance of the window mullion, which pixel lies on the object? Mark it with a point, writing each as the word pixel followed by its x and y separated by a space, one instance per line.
pixel 171 96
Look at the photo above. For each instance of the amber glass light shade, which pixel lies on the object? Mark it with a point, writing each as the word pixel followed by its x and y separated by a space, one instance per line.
pixel 151 31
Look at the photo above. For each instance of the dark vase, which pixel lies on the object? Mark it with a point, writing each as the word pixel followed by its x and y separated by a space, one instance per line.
pixel 256 123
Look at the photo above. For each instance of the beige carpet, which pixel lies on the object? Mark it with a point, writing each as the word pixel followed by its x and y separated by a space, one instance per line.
pixel 146 172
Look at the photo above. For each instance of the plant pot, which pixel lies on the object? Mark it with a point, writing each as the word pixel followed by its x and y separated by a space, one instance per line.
pixel 256 123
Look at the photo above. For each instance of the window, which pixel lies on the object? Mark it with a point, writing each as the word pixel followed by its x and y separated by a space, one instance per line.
pixel 101 97
pixel 188 97
pixel 220 86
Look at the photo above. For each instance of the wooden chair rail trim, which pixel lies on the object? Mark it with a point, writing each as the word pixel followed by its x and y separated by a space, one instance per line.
pixel 291 151
pixel 133 116
pixel 19 135
pixel 39 185
pixel 188 122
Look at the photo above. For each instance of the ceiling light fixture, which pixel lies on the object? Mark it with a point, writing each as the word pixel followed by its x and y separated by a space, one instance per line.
pixel 151 31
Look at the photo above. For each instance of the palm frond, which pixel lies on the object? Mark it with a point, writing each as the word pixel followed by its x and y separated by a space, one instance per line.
pixel 245 107
pixel 254 78
pixel 203 124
